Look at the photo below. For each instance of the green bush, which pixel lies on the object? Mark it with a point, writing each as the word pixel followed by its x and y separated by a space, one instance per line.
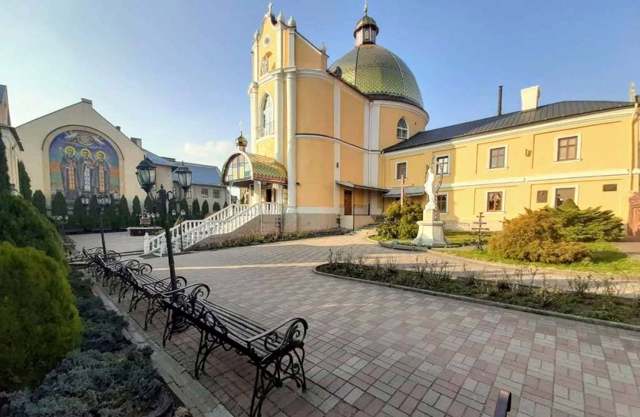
pixel 40 322
pixel 536 236
pixel 25 181
pixel 136 211
pixel 216 207
pixel 78 215
pixel 588 225
pixel 195 209
pixel 5 186
pixel 23 225
pixel 59 205
pixel 123 212
pixel 400 222
pixel 205 209
pixel 40 202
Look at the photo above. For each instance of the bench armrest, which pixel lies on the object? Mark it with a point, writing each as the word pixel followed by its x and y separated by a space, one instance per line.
pixel 288 333
pixel 196 291
pixel 180 281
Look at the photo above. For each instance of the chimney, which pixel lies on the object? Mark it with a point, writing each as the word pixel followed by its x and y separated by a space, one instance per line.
pixel 118 128
pixel 137 141
pixel 86 100
pixel 530 97
pixel 632 92
pixel 499 100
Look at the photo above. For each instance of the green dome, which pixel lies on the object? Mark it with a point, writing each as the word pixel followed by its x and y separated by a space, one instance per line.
pixel 379 74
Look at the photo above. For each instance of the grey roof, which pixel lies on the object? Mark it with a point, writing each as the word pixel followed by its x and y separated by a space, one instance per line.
pixel 544 113
pixel 208 175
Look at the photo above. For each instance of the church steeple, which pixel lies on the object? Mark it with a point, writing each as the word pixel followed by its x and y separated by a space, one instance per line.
pixel 366 29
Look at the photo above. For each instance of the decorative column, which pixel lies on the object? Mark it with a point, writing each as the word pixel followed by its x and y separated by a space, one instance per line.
pixel 291 141
pixel 278 119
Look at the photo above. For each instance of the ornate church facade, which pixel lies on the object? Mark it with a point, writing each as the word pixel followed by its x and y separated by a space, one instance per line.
pixel 336 143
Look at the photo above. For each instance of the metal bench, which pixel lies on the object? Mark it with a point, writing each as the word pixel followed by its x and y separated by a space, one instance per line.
pixel 277 352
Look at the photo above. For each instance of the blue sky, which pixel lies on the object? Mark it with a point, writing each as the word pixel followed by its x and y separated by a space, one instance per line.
pixel 176 72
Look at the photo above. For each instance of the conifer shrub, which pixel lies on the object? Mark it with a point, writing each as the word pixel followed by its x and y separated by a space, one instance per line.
pixel 25 182
pixel 195 209
pixel 536 236
pixel 588 225
pixel 123 212
pixel 24 225
pixel 400 222
pixel 5 185
pixel 59 205
pixel 216 207
pixel 205 209
pixel 40 202
pixel 78 215
pixel 40 322
pixel 136 211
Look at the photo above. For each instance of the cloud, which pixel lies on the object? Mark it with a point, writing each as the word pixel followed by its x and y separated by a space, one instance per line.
pixel 212 152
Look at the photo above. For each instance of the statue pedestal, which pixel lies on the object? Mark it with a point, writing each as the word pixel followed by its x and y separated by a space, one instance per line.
pixel 431 231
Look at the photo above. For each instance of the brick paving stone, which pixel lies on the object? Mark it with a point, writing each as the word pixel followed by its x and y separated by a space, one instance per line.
pixel 373 350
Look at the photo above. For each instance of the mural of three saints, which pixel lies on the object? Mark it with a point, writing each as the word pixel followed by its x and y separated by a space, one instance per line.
pixel 83 163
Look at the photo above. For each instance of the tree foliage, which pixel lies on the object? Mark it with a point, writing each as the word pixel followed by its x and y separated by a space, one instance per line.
pixel 40 322
pixel 23 225
pixel 5 184
pixel 40 202
pixel 136 211
pixel 25 181
pixel 588 225
pixel 536 236
pixel 59 205
pixel 195 209
pixel 400 222
pixel 184 207
pixel 148 205
pixel 123 212
pixel 205 209
pixel 216 207
pixel 78 215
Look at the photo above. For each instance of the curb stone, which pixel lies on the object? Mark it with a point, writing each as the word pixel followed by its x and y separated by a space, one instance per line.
pixel 192 393
pixel 589 320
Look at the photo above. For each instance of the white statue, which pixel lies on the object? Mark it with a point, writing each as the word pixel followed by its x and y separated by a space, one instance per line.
pixel 429 189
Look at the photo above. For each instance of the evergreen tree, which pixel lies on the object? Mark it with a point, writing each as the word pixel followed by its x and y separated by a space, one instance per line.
pixel 40 202
pixel 173 208
pixel 79 215
pixel 195 209
pixel 184 206
pixel 205 209
pixel 136 211
pixel 216 207
pixel 5 186
pixel 226 204
pixel 123 212
pixel 112 217
pixel 59 205
pixel 94 213
pixel 148 205
pixel 25 181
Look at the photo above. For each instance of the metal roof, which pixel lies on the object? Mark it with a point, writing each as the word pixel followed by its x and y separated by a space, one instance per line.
pixel 379 74
pixel 544 113
pixel 201 174
pixel 263 168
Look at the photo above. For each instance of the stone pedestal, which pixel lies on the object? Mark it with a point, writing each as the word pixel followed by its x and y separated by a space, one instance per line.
pixel 431 230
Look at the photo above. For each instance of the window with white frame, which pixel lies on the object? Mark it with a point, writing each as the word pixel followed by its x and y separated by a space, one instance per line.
pixel 266 120
pixel 216 193
pixel 204 192
pixel 442 202
pixel 442 165
pixel 401 170
pixel 565 194
pixel 402 130
pixel 495 201
pixel 567 149
pixel 497 157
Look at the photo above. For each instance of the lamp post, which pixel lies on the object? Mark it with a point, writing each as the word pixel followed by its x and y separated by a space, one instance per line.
pixel 103 202
pixel 146 174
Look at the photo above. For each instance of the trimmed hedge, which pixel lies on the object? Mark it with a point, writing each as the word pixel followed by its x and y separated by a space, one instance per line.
pixel 23 225
pixel 39 321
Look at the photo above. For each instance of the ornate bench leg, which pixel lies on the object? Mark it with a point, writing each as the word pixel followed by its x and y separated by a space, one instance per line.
pixel 208 343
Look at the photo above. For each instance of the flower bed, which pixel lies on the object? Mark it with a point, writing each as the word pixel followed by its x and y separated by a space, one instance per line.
pixel 586 297
pixel 107 376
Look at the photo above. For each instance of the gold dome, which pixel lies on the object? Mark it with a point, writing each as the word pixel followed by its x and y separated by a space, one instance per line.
pixel 379 74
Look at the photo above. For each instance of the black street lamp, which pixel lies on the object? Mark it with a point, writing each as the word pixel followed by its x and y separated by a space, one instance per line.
pixel 104 201
pixel 146 174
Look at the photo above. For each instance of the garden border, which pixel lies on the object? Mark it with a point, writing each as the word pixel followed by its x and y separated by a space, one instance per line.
pixel 614 324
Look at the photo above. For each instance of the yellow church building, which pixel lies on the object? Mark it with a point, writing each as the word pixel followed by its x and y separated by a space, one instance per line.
pixel 334 143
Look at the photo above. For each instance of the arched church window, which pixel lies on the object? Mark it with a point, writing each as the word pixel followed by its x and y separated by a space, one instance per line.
pixel 402 131
pixel 267 116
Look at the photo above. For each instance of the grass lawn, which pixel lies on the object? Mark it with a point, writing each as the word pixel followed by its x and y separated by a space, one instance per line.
pixel 605 258
pixel 455 238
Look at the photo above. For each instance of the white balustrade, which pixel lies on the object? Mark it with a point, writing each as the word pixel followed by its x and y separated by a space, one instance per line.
pixel 190 232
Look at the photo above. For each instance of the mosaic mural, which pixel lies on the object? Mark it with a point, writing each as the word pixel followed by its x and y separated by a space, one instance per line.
pixel 83 162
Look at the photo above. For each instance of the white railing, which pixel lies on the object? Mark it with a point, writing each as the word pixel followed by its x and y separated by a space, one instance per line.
pixel 190 232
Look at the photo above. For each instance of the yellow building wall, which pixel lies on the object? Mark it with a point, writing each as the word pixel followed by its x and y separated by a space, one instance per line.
pixel 351 117
pixel 605 157
pixel 315 163
pixel 268 45
pixel 351 164
pixel 314 112
pixel 308 57
pixel 389 117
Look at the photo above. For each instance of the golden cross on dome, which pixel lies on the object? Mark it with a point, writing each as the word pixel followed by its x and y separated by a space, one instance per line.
pixel 366 7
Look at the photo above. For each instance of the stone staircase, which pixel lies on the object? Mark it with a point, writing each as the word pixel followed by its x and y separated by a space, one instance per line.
pixel 191 232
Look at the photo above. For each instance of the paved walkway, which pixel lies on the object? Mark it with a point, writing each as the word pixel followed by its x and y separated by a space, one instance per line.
pixel 380 351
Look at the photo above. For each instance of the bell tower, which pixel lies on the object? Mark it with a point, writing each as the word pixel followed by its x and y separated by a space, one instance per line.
pixel 366 29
